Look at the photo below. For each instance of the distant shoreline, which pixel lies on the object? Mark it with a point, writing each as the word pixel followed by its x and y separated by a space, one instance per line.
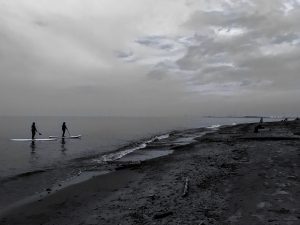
pixel 253 117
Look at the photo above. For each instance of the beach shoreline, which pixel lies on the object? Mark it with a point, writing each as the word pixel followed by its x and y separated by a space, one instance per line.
pixel 32 185
pixel 224 177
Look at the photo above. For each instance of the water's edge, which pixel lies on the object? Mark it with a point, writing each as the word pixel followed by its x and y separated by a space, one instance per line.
pixel 82 169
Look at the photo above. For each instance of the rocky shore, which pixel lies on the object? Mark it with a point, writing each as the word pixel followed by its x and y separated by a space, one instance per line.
pixel 231 176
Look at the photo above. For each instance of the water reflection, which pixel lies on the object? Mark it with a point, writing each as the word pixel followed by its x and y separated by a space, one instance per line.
pixel 33 147
pixel 62 146
pixel 34 156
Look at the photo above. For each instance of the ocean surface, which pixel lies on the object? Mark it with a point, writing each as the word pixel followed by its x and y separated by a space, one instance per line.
pixel 27 170
pixel 100 135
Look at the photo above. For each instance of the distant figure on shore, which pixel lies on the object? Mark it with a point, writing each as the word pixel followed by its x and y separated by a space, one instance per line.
pixel 34 131
pixel 261 120
pixel 64 128
pixel 297 118
pixel 259 126
pixel 256 128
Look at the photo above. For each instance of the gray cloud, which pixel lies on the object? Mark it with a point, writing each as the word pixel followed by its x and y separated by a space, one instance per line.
pixel 263 51
pixel 149 57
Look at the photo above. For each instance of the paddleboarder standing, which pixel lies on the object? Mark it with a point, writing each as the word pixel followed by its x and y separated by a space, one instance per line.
pixel 33 130
pixel 64 128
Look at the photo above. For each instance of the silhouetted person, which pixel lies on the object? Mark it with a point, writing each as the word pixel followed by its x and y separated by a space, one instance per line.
pixel 261 120
pixel 33 130
pixel 257 127
pixel 64 128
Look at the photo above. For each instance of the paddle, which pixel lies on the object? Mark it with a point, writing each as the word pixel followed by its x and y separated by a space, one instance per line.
pixel 68 132
pixel 38 131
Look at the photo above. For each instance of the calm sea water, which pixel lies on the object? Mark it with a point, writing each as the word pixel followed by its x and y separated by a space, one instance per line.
pixel 99 135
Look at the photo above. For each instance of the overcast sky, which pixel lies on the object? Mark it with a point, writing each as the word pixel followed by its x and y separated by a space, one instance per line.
pixel 149 57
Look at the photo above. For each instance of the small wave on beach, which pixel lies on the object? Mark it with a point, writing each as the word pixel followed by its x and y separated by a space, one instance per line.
pixel 216 126
pixel 120 154
pixel 156 146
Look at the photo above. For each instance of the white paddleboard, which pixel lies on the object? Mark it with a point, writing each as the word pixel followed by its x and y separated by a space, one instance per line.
pixel 37 139
pixel 66 137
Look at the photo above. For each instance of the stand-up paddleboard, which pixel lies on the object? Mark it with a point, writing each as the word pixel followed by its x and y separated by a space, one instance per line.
pixel 37 139
pixel 67 137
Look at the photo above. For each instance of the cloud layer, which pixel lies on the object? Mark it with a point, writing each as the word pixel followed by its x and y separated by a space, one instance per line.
pixel 150 57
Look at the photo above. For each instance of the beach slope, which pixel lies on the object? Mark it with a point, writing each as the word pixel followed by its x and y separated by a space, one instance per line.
pixel 230 176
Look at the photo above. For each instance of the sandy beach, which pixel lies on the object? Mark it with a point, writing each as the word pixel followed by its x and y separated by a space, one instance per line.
pixel 230 176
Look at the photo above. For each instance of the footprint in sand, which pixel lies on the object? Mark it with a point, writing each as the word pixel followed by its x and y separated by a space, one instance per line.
pixel 263 205
pixel 281 192
pixel 235 218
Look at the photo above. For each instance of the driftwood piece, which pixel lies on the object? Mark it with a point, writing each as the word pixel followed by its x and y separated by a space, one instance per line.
pixel 186 187
pixel 162 215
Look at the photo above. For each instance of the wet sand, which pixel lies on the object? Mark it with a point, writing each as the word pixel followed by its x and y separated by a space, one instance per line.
pixel 232 176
